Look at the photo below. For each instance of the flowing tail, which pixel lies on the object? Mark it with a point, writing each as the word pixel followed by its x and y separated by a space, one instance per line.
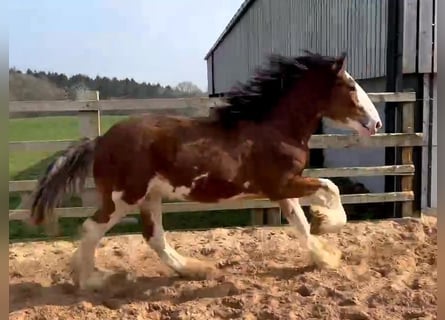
pixel 66 174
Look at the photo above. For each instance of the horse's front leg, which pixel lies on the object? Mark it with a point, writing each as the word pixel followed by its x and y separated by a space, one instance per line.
pixel 328 213
pixel 322 254
pixel 324 198
pixel 326 206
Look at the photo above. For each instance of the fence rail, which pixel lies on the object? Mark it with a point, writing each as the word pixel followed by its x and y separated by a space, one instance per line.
pixel 89 109
pixel 395 170
pixel 91 102
pixel 322 141
pixel 186 206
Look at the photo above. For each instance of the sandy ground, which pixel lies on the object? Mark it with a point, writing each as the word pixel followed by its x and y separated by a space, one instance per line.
pixel 388 271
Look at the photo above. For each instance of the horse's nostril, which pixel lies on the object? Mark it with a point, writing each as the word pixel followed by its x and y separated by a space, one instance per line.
pixel 378 125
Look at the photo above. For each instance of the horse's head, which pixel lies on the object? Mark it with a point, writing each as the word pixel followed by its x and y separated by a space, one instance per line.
pixel 302 89
pixel 348 104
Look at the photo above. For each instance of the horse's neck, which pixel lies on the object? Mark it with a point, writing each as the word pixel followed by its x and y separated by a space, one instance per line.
pixel 302 108
pixel 297 122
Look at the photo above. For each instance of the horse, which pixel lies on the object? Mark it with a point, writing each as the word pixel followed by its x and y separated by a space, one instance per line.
pixel 256 145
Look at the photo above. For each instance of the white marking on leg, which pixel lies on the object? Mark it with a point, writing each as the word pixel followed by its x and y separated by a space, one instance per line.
pixel 321 254
pixel 327 201
pixel 158 241
pixel 294 214
pixel 327 196
pixel 83 259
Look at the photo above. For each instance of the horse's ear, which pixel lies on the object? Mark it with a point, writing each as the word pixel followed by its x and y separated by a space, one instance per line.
pixel 340 64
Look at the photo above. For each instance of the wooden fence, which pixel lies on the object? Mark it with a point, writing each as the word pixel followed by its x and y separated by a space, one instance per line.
pixel 89 109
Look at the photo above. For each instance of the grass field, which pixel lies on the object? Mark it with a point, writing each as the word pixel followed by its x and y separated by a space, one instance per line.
pixel 30 165
pixel 43 128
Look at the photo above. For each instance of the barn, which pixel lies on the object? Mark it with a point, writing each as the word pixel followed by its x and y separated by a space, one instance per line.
pixel 390 46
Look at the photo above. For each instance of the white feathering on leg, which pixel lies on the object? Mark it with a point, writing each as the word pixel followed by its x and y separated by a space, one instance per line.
pixel 322 254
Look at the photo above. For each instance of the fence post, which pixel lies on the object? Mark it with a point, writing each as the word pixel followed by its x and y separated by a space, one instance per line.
pixel 407 156
pixel 212 113
pixel 273 216
pixel 257 217
pixel 89 126
pixel 89 120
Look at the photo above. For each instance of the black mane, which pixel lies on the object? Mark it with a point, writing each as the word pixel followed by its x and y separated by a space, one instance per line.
pixel 254 100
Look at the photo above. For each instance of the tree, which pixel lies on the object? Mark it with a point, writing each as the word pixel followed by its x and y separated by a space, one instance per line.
pixel 188 88
pixel 109 87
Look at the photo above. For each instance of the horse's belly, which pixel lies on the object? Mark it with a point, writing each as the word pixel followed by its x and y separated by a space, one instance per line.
pixel 162 185
pixel 203 188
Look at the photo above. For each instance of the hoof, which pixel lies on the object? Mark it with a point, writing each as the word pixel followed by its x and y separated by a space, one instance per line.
pixel 317 222
pixel 326 220
pixel 95 282
pixel 323 255
pixel 198 269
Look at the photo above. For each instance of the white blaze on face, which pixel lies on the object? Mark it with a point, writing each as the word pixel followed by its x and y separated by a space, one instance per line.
pixel 372 122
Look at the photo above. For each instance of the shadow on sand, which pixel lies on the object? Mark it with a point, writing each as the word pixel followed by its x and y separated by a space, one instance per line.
pixel 119 290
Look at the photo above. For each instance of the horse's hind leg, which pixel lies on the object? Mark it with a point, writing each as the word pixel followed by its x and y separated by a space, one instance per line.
pixel 112 210
pixel 153 232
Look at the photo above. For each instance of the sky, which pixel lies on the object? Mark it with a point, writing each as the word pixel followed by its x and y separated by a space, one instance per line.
pixel 157 41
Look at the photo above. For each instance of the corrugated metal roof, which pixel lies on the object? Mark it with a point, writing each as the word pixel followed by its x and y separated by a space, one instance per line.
pixel 238 15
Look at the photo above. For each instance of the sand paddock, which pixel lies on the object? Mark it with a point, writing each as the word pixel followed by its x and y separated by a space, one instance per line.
pixel 388 271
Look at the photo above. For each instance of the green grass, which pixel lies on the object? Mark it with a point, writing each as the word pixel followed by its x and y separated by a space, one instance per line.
pixel 52 128
pixel 30 165
pixel 68 227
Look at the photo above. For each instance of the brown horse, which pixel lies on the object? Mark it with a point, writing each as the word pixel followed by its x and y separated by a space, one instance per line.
pixel 257 145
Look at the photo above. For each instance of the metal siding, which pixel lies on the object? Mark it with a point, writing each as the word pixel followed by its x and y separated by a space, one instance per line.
pixel 252 44
pixel 435 37
pixel 425 36
pixel 383 31
pixel 290 26
pixel 369 35
pixel 337 29
pixel 373 46
pixel 363 34
pixel 434 148
pixel 322 23
pixel 209 75
pixel 318 33
pixel 343 29
pixel 356 35
pixel 409 35
pixel 263 12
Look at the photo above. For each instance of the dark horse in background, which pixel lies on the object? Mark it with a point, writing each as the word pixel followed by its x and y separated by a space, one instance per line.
pixel 256 146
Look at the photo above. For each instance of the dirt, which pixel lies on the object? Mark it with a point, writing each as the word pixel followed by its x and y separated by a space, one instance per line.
pixel 388 271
